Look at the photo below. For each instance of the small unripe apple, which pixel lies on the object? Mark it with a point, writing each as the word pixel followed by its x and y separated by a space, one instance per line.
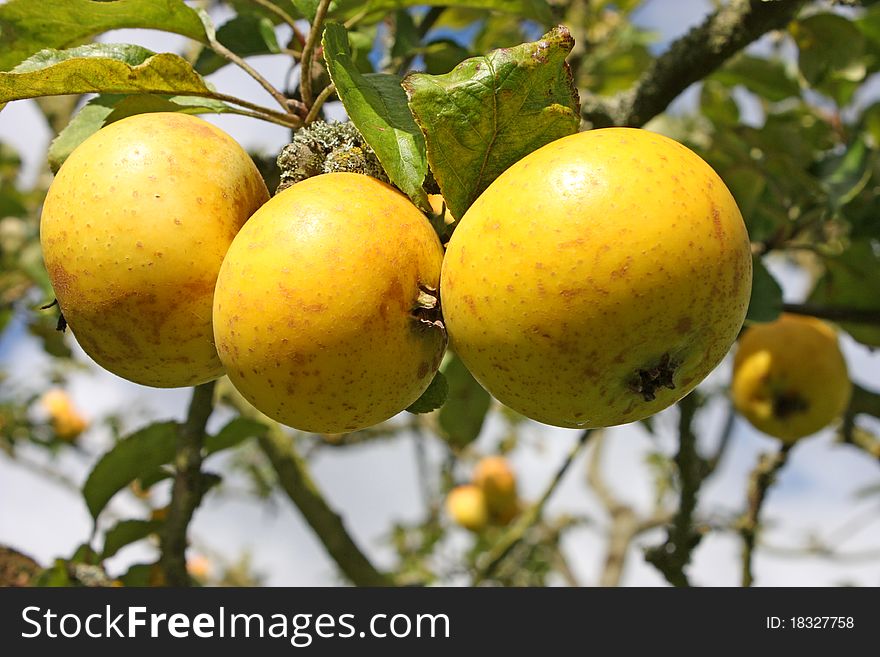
pixel 497 480
pixel 67 422
pixel 466 505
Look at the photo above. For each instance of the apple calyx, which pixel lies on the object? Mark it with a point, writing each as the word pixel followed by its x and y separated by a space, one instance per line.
pixel 646 381
pixel 788 403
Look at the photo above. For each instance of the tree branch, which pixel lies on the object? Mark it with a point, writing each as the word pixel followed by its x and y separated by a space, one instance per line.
pixel 515 533
pixel 760 480
pixel 305 82
pixel 188 488
pixel 284 16
pixel 315 110
pixel 690 59
pixel 258 111
pixel 296 481
pixel 862 401
pixel 723 440
pixel 834 313
pixel 227 54
pixel 672 556
pixel 625 523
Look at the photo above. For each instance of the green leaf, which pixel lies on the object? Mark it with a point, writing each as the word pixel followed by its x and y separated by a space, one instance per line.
pixel 132 457
pixel 233 434
pixel 490 111
pixel 101 68
pixel 766 301
pixel 56 576
pixel 461 417
pixel 107 108
pixel 45 327
pixel 145 103
pixel 748 184
pixel 128 53
pixel 307 8
pixel 870 124
pixel 126 532
pixel 85 123
pixel 407 39
pixel 767 78
pixel 371 10
pixel 245 35
pixel 496 30
pixel 84 554
pixel 443 55
pixel 852 280
pixel 615 63
pixel 376 105
pixel 152 478
pixel 27 26
pixel 361 40
pixel 717 104
pixel 433 398
pixel 830 49
pixel 845 175
pixel 140 575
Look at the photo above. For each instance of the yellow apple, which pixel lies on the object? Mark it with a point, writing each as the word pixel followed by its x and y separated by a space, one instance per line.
pixel 133 231
pixel 790 378
pixel 466 505
pixel 323 311
pixel 497 480
pixel 67 422
pixel 598 280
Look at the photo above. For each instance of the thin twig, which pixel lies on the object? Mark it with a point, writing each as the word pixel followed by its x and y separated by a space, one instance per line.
pixel 625 523
pixel 812 552
pixel 426 482
pixel 673 556
pixel 515 533
pixel 852 526
pixel 297 483
pixel 760 480
pixel 284 16
pixel 623 519
pixel 305 82
pixel 867 402
pixel 358 17
pixel 288 120
pixel 328 91
pixel 724 440
pixel 261 116
pixel 835 313
pixel 564 568
pixel 188 488
pixel 225 52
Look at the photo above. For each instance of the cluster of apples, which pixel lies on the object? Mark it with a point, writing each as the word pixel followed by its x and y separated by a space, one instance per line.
pixel 595 282
pixel 489 499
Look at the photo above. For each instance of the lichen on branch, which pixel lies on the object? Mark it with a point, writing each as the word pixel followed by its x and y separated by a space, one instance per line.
pixel 690 59
pixel 327 148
